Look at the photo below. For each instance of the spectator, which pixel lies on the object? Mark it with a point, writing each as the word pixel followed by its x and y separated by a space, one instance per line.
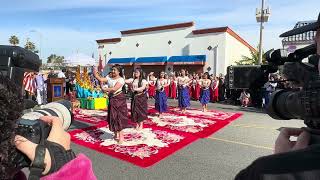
pixel 244 98
pixel 40 88
pixel 51 73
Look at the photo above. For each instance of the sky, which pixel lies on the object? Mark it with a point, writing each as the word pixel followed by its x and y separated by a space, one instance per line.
pixel 64 27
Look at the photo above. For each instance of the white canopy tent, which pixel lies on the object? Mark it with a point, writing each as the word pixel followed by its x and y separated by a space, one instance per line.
pixel 79 59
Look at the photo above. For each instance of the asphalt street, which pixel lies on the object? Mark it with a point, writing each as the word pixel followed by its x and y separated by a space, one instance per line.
pixel 218 157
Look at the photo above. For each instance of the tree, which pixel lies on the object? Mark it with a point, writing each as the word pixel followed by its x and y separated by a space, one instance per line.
pixel 14 40
pixel 53 58
pixel 253 60
pixel 30 46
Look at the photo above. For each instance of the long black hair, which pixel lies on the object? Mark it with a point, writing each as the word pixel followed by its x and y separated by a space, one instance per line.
pixel 11 107
pixel 120 69
pixel 206 74
pixel 141 77
pixel 121 74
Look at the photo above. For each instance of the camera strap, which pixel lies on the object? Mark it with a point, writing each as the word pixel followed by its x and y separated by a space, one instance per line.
pixel 38 166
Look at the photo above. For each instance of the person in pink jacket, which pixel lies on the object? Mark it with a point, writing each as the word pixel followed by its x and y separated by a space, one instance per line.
pixel 54 154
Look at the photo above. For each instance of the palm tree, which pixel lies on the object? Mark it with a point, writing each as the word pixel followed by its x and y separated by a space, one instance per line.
pixel 53 58
pixel 253 60
pixel 30 46
pixel 14 40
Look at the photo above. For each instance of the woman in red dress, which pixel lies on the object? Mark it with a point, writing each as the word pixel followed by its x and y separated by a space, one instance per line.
pixel 167 88
pixel 212 84
pixel 173 88
pixel 190 85
pixel 152 85
pixel 216 90
pixel 198 88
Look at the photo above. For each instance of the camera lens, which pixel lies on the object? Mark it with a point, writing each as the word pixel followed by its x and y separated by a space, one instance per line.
pixel 61 109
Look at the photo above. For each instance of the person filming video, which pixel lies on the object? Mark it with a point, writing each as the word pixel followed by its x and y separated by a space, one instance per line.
pixel 292 159
pixel 52 159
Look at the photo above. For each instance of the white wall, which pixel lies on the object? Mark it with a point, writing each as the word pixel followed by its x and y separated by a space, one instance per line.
pixel 216 56
pixel 225 48
pixel 151 44
pixel 235 50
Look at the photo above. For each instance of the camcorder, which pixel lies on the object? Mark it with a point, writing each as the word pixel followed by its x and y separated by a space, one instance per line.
pixel 14 62
pixel 302 102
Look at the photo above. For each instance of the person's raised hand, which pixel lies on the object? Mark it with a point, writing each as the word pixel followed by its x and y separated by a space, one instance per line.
pixel 284 144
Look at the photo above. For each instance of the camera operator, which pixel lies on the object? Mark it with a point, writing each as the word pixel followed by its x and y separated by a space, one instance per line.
pixel 11 107
pixel 292 159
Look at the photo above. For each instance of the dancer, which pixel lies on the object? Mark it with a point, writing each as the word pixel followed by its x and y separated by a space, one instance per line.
pixel 167 87
pixel 161 97
pixel 173 87
pixel 205 91
pixel 183 91
pixel 152 85
pixel 139 100
pixel 117 110
pixel 216 89
pixel 197 88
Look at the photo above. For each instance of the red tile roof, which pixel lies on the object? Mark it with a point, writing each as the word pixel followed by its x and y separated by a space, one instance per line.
pixel 158 28
pixel 224 29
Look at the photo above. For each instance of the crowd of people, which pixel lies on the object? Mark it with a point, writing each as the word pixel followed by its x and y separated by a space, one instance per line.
pixel 193 82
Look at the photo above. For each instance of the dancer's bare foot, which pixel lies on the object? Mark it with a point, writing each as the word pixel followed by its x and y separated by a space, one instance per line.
pixel 140 126
pixel 121 138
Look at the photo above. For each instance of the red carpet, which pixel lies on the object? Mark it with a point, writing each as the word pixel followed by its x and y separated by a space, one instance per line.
pixel 142 148
pixel 90 116
pixel 158 139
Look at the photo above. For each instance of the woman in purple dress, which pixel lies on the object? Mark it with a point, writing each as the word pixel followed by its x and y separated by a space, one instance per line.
pixel 117 109
pixel 139 100
pixel 161 97
pixel 183 91
pixel 205 91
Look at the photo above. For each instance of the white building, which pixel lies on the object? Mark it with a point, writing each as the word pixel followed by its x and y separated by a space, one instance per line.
pixel 176 46
pixel 298 41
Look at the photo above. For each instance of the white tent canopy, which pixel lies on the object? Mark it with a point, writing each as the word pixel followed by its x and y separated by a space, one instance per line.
pixel 79 59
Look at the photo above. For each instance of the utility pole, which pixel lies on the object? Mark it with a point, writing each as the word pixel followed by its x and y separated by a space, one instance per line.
pixel 262 16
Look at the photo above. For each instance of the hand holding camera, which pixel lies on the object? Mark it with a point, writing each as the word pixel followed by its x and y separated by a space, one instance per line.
pixel 57 135
pixel 284 144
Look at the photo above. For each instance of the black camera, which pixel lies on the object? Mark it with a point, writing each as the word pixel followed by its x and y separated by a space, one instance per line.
pixel 35 130
pixel 302 102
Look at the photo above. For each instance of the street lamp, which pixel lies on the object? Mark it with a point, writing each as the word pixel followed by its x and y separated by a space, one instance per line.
pixel 262 16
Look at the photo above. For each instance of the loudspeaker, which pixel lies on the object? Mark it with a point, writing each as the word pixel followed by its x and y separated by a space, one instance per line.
pixel 16 56
pixel 244 76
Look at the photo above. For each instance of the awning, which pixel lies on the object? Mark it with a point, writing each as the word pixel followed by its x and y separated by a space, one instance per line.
pixel 151 60
pixel 193 59
pixel 121 61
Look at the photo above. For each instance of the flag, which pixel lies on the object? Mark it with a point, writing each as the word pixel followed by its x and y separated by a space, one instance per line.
pixel 29 82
